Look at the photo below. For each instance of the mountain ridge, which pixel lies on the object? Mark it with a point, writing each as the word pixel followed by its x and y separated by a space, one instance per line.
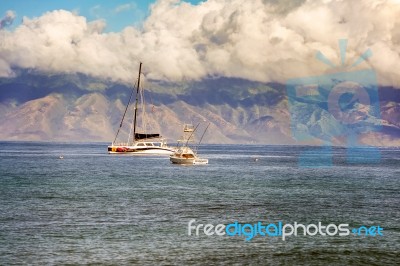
pixel 77 107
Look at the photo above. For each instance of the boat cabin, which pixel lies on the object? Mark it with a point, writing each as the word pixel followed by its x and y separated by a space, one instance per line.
pixel 149 144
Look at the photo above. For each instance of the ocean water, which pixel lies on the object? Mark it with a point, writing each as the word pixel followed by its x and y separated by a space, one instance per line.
pixel 95 208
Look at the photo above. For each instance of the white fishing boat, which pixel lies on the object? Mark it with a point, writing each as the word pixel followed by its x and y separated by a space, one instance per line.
pixel 139 142
pixel 184 154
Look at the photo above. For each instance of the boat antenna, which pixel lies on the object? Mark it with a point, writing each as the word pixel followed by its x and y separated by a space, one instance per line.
pixel 126 108
pixel 136 103
pixel 204 133
pixel 187 142
pixel 202 136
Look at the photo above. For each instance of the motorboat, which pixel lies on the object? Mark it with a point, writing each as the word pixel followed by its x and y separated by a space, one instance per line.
pixel 184 154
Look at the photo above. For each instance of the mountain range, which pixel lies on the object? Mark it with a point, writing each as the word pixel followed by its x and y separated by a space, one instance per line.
pixel 77 107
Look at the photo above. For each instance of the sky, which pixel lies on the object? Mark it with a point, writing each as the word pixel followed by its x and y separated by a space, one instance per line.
pixel 117 13
pixel 258 40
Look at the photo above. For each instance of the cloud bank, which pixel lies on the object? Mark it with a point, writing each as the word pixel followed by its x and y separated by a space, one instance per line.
pixel 256 40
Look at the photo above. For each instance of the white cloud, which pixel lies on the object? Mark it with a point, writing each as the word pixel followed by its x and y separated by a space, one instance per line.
pixel 257 40
pixel 8 19
pixel 95 11
pixel 122 8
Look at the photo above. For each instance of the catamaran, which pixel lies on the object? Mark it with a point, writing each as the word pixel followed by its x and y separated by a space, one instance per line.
pixel 139 142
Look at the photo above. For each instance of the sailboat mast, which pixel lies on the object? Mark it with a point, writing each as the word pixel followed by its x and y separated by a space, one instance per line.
pixel 136 103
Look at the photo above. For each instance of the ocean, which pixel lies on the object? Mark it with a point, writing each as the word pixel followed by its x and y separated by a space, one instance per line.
pixel 95 208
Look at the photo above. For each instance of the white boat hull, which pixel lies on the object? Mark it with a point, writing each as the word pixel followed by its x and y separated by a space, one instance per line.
pixel 200 161
pixel 188 161
pixel 140 150
pixel 177 160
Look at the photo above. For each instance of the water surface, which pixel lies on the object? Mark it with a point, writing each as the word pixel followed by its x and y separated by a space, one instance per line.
pixel 91 207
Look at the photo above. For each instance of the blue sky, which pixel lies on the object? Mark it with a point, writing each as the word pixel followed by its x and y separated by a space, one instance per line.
pixel 117 13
